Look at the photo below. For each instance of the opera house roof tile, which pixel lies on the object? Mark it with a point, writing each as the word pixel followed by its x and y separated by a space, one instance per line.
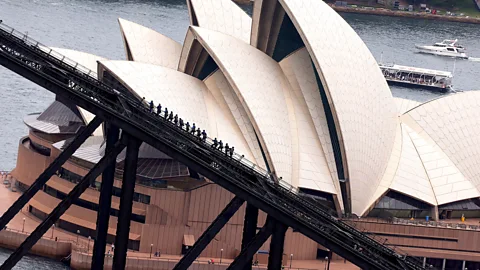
pixel 262 97
pixel 145 45
pixel 222 16
pixel 360 99
pixel 298 69
pixel 298 92
pixel 225 95
pixel 185 95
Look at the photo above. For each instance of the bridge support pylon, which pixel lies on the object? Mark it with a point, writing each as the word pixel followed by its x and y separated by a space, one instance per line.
pixel 105 201
pixel 126 203
pixel 249 229
pixel 277 243
pixel 246 255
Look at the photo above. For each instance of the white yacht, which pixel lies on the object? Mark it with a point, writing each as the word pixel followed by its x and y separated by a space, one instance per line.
pixel 447 47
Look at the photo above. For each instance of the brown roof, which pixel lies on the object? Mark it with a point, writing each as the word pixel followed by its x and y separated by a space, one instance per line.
pixel 158 168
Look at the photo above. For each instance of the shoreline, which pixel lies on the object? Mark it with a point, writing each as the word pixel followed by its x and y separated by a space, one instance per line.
pixel 393 13
pixel 405 14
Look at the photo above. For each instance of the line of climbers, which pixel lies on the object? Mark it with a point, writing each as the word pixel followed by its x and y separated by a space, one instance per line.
pixel 202 135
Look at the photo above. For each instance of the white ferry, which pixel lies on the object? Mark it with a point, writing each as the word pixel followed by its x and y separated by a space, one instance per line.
pixel 417 77
pixel 448 47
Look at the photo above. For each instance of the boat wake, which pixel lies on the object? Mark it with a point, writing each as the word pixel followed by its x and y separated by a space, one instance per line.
pixel 474 59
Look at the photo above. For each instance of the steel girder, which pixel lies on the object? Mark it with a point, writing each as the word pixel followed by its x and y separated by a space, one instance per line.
pixel 62 207
pixel 126 203
pixel 210 233
pixel 105 201
pixel 51 170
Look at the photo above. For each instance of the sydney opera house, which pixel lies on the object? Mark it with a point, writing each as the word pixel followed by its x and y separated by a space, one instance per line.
pixel 296 91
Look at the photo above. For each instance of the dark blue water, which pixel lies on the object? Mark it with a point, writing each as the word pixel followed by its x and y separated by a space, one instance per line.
pixel 395 39
pixel 91 26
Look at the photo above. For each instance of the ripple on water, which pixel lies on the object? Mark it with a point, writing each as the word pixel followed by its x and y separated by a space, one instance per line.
pixel 29 261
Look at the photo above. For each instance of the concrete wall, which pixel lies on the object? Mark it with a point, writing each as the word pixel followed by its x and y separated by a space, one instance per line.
pixel 448 243
pixel 82 261
pixel 44 247
pixel 190 213
pixel 29 163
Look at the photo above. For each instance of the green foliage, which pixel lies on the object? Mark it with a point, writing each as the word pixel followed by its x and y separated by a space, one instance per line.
pixel 451 4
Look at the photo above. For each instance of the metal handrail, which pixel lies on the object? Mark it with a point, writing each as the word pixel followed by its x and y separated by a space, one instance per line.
pixel 400 221
pixel 47 50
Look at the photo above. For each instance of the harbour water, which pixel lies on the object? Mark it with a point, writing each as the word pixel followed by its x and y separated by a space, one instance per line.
pixel 33 262
pixel 91 26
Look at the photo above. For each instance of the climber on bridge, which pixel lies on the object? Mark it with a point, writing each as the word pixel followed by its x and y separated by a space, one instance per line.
pixel 220 145
pixel 227 149
pixel 193 129
pixel 175 119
